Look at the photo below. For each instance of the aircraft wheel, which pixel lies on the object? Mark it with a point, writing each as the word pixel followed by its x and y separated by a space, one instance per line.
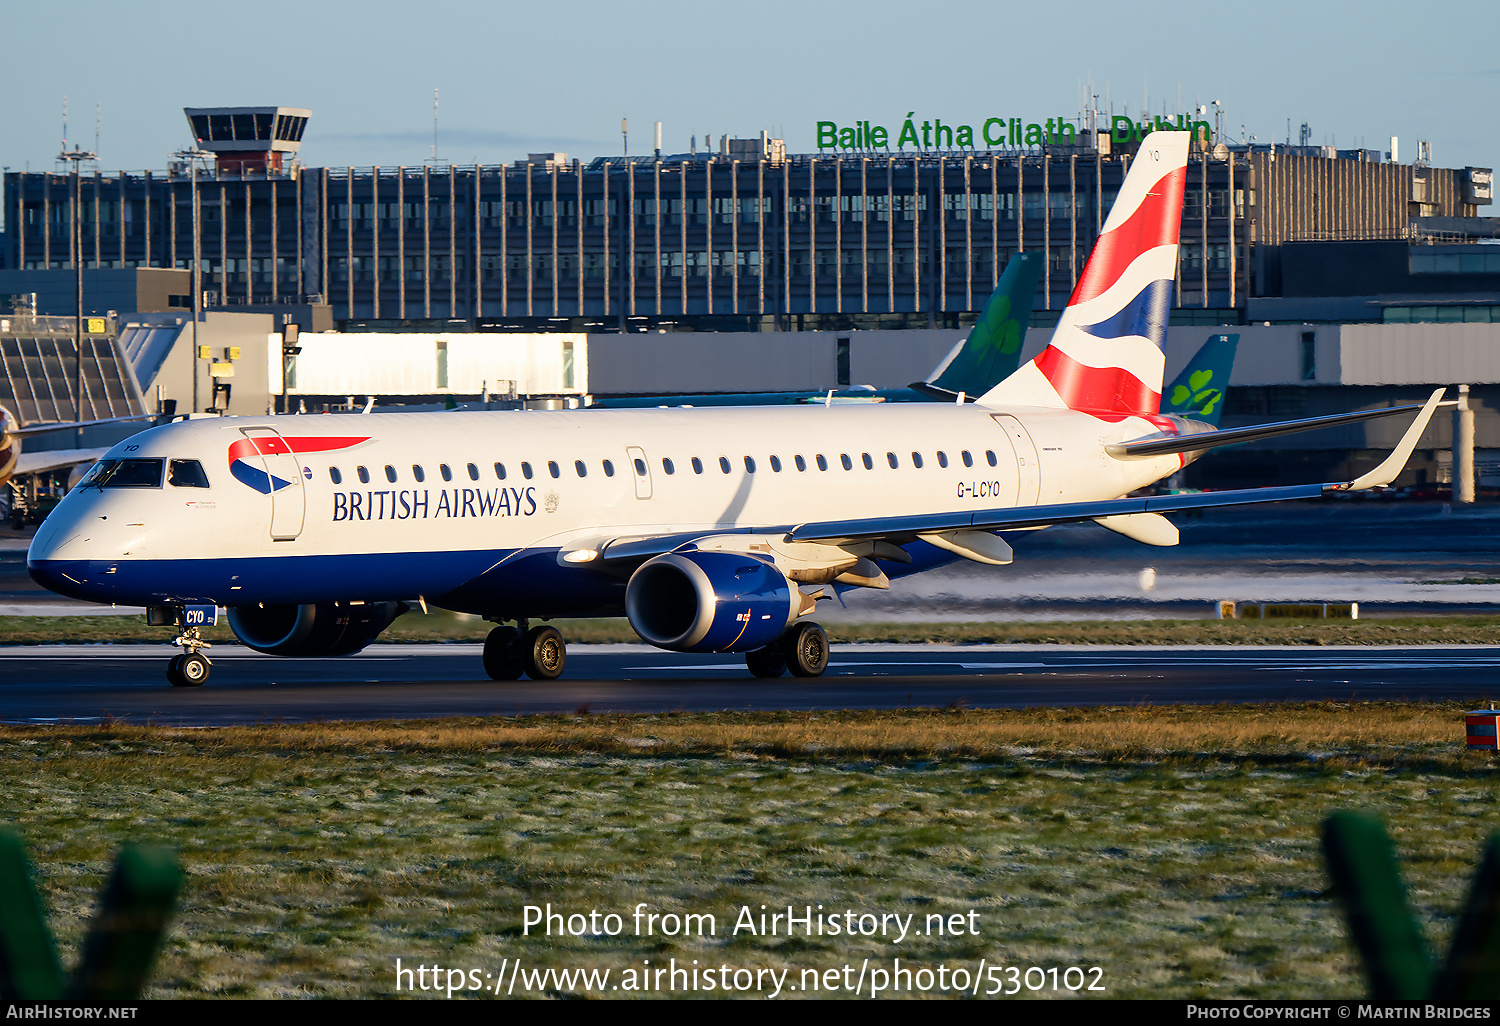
pixel 545 653
pixel 502 660
pixel 766 662
pixel 806 648
pixel 189 670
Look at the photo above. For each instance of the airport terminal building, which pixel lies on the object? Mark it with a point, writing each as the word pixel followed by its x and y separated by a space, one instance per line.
pixel 744 238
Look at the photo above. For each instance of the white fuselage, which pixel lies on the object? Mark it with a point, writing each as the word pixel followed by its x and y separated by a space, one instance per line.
pixel 350 519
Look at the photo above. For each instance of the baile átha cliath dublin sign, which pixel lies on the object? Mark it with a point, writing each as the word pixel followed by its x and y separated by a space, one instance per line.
pixel 934 134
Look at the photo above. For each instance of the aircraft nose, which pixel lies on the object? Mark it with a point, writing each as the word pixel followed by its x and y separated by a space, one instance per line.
pixel 59 557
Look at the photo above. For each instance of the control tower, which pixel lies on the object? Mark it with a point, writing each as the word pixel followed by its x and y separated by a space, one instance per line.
pixel 248 138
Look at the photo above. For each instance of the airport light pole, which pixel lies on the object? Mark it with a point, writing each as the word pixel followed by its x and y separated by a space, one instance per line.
pixel 76 157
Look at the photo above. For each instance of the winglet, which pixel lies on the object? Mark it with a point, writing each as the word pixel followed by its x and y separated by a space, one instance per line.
pixel 1396 461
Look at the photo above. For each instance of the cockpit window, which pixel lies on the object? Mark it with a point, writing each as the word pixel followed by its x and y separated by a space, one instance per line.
pixel 97 471
pixel 186 474
pixel 125 474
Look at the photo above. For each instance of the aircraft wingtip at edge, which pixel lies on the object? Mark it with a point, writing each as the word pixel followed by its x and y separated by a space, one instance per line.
pixel 1393 464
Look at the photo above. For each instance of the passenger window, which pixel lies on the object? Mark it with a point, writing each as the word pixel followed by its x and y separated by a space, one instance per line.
pixel 822 463
pixel 846 461
pixel 697 465
pixel 420 475
pixel 552 468
pixel 968 459
pixel 609 469
pixel 916 460
pixel 525 471
pixel 724 464
pixel 364 475
pixel 942 459
pixel 336 477
pixel 801 463
pixel 666 464
pixel 444 472
pixel 890 458
pixel 749 465
pixel 499 472
pixel 869 463
pixel 775 464
pixel 989 454
pixel 474 473
pixel 580 469
pixel 390 473
pixel 640 467
pixel 186 474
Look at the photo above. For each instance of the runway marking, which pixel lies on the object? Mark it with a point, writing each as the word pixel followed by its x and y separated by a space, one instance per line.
pixel 848 665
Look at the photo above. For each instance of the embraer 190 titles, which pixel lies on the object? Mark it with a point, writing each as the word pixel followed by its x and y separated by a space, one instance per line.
pixel 713 529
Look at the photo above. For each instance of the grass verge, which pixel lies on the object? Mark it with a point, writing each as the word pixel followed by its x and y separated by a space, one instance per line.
pixel 1174 847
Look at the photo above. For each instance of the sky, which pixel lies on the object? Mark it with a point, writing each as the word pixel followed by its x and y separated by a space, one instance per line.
pixel 514 78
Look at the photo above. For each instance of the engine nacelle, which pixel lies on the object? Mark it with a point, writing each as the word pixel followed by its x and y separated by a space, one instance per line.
pixel 711 602
pixel 325 629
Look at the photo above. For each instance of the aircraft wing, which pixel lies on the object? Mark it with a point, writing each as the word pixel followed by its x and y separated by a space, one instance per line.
pixel 1022 517
pixel 1161 445
pixel 56 459
pixel 32 430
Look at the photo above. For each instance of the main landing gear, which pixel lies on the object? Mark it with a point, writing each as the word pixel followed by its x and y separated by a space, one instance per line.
pixel 190 668
pixel 540 653
pixel 803 649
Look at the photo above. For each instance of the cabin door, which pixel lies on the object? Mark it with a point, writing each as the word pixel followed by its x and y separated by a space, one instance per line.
pixel 1028 471
pixel 283 478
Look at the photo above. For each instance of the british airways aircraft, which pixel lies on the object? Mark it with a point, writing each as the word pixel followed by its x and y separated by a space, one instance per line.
pixel 712 530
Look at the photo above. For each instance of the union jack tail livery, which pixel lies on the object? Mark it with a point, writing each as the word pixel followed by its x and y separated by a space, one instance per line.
pixel 1106 354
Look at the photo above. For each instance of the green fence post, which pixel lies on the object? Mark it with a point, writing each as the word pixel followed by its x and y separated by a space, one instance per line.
pixel 1367 879
pixel 127 931
pixel 1472 972
pixel 29 970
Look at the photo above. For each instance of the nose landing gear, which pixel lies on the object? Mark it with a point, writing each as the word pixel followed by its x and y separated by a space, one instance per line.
pixel 191 668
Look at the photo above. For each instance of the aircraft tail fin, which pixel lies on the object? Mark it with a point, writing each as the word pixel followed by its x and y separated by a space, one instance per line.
pixel 992 352
pixel 1198 392
pixel 1105 356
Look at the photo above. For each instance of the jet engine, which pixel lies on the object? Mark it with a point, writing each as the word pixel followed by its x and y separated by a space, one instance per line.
pixel 701 601
pixel 325 629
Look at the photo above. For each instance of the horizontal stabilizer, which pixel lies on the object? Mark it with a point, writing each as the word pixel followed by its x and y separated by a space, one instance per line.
pixel 1161 445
